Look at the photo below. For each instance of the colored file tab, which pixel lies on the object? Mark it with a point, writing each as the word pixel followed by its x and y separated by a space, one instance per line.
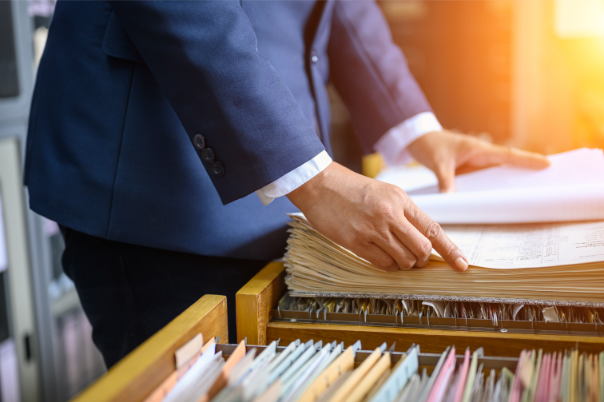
pixel 399 377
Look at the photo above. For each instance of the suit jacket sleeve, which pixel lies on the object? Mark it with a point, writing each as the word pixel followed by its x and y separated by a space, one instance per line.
pixel 203 55
pixel 370 72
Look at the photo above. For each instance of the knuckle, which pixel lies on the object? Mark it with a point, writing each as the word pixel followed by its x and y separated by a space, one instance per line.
pixel 451 249
pixel 402 198
pixel 399 192
pixel 425 249
pixel 408 264
pixel 433 231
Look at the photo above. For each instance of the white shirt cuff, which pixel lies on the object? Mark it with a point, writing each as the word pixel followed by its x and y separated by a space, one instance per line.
pixel 294 179
pixel 393 145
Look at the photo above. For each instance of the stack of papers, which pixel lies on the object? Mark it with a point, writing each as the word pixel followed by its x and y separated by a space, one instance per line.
pixel 527 234
pixel 550 262
pixel 571 189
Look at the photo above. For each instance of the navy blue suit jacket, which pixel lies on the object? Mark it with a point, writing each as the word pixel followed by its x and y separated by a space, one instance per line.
pixel 123 88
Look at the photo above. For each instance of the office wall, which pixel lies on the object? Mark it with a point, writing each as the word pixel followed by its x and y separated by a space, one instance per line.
pixel 558 98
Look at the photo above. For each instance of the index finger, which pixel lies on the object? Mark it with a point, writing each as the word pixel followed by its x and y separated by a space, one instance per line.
pixel 440 241
pixel 527 159
pixel 518 157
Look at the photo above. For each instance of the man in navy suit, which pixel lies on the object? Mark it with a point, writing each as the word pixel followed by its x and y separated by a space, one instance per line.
pixel 169 140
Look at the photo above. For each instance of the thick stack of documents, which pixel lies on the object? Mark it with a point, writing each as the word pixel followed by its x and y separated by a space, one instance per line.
pixel 312 371
pixel 528 235
pixel 553 262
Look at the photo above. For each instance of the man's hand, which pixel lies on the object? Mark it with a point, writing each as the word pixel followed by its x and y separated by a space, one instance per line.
pixel 375 220
pixel 447 153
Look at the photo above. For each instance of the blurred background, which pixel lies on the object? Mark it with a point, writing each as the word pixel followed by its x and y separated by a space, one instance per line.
pixel 527 73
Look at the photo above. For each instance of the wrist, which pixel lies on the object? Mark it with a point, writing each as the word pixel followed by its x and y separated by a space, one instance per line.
pixel 418 147
pixel 307 194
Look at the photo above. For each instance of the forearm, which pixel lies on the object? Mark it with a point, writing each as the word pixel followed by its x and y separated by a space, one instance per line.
pixel 204 58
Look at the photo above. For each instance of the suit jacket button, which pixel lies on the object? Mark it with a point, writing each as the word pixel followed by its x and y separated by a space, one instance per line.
pixel 217 169
pixel 199 141
pixel 208 155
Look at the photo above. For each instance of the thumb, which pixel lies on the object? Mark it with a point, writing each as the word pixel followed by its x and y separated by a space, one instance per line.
pixel 445 174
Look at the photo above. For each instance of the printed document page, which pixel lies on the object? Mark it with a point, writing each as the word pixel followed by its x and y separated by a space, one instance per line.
pixel 529 245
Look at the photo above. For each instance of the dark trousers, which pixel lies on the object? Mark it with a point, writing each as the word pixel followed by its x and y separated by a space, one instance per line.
pixel 130 292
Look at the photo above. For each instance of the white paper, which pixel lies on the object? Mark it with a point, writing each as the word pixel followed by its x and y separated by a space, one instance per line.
pixel 192 375
pixel 205 380
pixel 551 204
pixel 530 245
pixel 413 179
pixel 573 167
pixel 581 166
pixel 571 189
pixel 3 256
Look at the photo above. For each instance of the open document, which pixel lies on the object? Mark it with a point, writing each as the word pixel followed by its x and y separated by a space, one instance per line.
pixel 529 245
pixel 555 262
pixel 571 189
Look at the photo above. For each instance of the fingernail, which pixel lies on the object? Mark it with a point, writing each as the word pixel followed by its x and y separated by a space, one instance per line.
pixel 461 264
